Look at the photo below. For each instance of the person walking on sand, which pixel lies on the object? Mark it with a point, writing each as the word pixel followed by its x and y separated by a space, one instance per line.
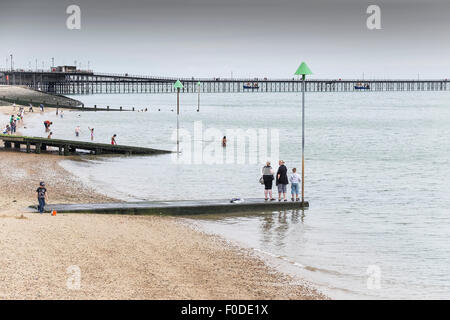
pixel 50 135
pixel 113 140
pixel 282 180
pixel 224 141
pixel 295 184
pixel 267 173
pixel 42 196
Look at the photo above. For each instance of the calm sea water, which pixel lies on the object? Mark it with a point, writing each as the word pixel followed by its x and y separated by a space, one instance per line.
pixel 377 178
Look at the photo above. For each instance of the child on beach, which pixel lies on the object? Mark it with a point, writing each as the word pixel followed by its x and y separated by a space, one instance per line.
pixel 295 184
pixel 42 196
pixel 113 140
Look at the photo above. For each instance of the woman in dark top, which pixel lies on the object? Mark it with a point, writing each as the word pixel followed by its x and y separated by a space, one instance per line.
pixel 267 173
pixel 282 180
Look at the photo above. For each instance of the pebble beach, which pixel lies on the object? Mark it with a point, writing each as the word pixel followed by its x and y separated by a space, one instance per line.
pixel 118 257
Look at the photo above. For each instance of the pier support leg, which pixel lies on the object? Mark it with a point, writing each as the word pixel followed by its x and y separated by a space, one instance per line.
pixel 28 147
pixel 60 150
pixel 66 150
pixel 7 145
pixel 16 145
pixel 37 149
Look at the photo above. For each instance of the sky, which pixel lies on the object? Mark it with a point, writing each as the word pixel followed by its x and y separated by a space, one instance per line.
pixel 239 38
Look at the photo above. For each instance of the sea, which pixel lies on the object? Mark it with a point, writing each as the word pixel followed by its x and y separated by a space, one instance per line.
pixel 377 172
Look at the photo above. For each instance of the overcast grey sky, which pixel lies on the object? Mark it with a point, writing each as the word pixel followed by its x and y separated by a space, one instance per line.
pixel 247 37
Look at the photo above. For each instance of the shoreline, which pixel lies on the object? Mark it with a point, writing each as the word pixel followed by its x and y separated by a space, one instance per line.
pixel 119 257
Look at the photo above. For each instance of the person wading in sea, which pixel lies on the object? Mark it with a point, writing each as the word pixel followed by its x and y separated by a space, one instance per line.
pixel 92 133
pixel 113 140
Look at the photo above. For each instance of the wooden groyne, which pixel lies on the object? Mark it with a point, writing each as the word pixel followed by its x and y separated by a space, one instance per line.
pixel 68 147
pixel 185 207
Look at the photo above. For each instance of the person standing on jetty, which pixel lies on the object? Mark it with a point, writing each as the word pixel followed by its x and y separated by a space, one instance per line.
pixel 113 140
pixel 282 180
pixel 267 173
pixel 42 197
pixel 295 184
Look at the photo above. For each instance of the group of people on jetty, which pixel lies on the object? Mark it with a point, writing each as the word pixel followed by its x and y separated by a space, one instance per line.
pixel 281 181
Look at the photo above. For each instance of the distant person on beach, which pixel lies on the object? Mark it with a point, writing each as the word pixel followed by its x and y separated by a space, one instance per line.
pixel 31 108
pixel 14 127
pixel 295 179
pixel 50 135
pixel 282 180
pixel 92 133
pixel 224 141
pixel 41 106
pixel 77 131
pixel 61 114
pixel 267 173
pixel 113 140
pixel 42 196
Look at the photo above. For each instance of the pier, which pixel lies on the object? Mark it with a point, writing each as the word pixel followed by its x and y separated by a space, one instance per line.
pixel 184 207
pixel 89 82
pixel 69 147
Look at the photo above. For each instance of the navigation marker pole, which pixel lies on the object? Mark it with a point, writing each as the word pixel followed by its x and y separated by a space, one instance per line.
pixel 178 85
pixel 303 70
pixel 198 100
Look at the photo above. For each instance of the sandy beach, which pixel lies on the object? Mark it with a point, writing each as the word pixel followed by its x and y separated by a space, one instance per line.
pixel 119 257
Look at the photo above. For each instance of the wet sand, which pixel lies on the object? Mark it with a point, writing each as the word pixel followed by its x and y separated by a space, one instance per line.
pixel 119 257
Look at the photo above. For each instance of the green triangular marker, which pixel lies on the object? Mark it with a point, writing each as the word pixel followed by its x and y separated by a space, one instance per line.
pixel 178 85
pixel 303 70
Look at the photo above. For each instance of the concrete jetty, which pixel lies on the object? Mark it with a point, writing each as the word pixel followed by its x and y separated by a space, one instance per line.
pixel 183 207
pixel 68 147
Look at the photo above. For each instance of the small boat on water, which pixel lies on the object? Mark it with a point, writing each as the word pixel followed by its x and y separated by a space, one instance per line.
pixel 252 86
pixel 361 86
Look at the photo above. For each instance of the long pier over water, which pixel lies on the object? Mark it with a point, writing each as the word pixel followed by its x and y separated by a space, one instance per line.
pixel 89 82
